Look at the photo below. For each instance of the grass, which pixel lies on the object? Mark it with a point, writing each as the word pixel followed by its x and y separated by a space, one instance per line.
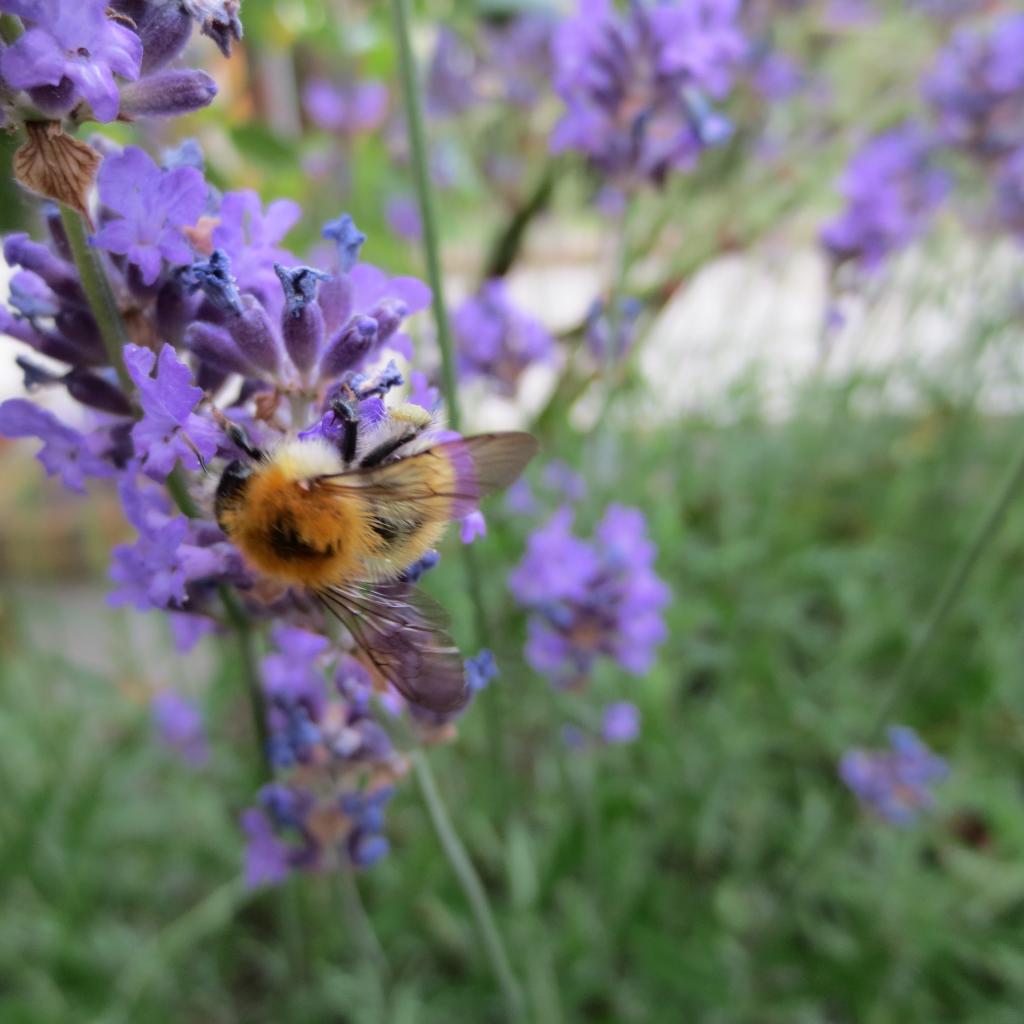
pixel 652 882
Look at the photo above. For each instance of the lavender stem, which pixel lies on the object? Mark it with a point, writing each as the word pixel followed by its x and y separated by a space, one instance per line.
pixel 472 887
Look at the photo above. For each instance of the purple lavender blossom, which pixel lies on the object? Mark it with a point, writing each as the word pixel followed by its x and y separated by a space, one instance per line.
pixel 608 343
pixel 977 89
pixel 892 189
pixel 349 110
pixel 66 452
pixel 1009 189
pixel 451 85
pixel 154 205
pixel 169 430
pixel 591 599
pixel 481 669
pixel 620 722
pixel 179 724
pixel 266 857
pixel 473 527
pixel 403 216
pixel 496 340
pixel 895 784
pixel 634 84
pixel 74 42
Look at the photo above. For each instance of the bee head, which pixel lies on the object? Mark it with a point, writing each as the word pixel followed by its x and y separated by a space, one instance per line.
pixel 233 482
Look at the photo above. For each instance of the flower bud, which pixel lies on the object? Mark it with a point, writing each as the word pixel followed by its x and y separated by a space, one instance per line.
pixel 254 335
pixel 302 322
pixel 335 301
pixel 348 239
pixel 349 346
pixel 21 251
pixel 97 392
pixel 215 347
pixel 164 30
pixel 389 318
pixel 168 93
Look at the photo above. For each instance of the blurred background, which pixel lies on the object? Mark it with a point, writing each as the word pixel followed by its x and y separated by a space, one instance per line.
pixel 810 385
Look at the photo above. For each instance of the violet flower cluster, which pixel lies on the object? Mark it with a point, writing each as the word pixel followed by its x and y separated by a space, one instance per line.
pixel 496 340
pixel 591 599
pixel 892 188
pixel 895 784
pixel 353 108
pixel 508 62
pixel 100 60
pixel 223 321
pixel 636 84
pixel 977 89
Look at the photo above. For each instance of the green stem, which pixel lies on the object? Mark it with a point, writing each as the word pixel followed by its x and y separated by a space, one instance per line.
pixel 425 193
pixel 472 887
pixel 98 292
pixel 105 311
pixel 432 254
pixel 507 244
pixel 908 674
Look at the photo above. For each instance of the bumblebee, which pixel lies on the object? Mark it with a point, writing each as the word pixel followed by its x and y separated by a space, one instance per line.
pixel 345 517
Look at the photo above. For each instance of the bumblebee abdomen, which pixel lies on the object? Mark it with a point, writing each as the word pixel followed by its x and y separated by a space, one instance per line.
pixel 296 532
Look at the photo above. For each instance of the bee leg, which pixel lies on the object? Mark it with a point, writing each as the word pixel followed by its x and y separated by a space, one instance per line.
pixel 377 455
pixel 348 414
pixel 240 439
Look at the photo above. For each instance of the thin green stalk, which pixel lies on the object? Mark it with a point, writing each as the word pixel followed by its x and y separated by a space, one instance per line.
pixel 908 674
pixel 428 214
pixel 98 293
pixel 449 382
pixel 472 887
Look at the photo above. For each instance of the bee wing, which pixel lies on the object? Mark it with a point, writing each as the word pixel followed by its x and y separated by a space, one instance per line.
pixel 458 472
pixel 404 635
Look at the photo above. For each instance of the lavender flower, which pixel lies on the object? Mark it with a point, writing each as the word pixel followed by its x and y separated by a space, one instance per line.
pixel 892 189
pixel 977 89
pixel 1009 188
pixel 179 724
pixel 71 51
pixel 112 56
pixel 154 205
pixel 634 84
pixel 350 110
pixel 608 343
pixel 895 784
pixel 620 722
pixel 496 340
pixel 591 599
pixel 337 764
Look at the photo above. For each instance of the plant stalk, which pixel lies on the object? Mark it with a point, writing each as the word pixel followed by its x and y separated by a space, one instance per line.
pixel 472 887
pixel 98 293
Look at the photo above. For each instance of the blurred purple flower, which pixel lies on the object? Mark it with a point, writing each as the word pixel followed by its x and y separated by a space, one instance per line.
pixel 73 41
pixel 179 724
pixel 169 430
pixel 591 598
pixel 895 784
pixel 777 76
pixel 496 340
pixel 892 189
pixel 481 669
pixel 634 82
pixel 154 205
pixel 451 76
pixel 66 452
pixel 598 331
pixel 352 109
pixel 1009 188
pixel 620 722
pixel 473 527
pixel 403 216
pixel 266 857
pixel 977 89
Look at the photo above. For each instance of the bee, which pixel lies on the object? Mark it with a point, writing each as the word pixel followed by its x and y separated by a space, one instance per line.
pixel 346 520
